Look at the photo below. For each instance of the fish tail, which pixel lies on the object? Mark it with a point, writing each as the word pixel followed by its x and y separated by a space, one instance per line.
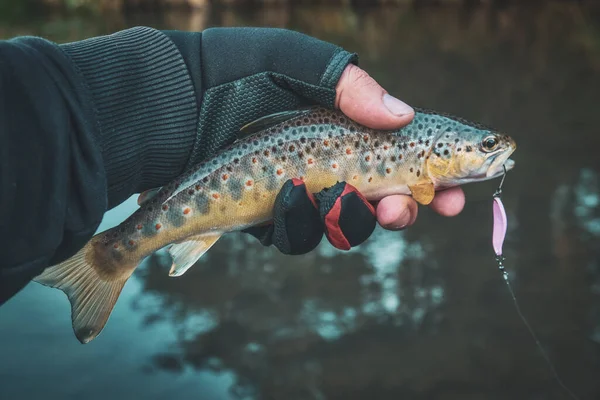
pixel 92 282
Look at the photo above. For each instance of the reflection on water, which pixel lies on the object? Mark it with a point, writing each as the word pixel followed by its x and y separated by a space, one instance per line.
pixel 421 314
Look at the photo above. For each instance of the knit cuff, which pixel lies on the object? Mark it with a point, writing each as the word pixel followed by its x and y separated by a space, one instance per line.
pixel 145 107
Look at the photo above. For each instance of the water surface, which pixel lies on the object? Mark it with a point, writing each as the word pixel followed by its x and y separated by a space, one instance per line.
pixel 421 314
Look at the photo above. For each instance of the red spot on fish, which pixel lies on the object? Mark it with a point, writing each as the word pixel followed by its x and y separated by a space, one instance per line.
pixel 334 165
pixel 116 245
pixel 139 227
pixel 355 177
pixel 292 148
pixel 386 147
pixel 348 151
pixel 310 161
pixel 186 210
pixel 225 177
pixel 412 144
pixel 131 242
pixel 279 171
pixel 158 226
pixel 388 170
pixel 249 183
pixel 254 160
pixel 165 207
pixel 368 158
pixel 370 179
pixel 266 153
pixel 366 138
pixel 325 142
pixel 215 195
pixel 198 187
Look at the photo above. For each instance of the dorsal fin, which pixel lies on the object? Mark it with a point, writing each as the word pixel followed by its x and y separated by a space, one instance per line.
pixel 270 120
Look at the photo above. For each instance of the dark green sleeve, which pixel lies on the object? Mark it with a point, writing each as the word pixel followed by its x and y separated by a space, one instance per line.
pixel 85 125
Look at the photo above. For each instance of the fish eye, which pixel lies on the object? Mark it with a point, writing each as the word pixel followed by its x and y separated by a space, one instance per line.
pixel 489 143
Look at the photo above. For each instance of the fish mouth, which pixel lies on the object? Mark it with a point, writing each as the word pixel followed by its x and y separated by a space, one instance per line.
pixel 497 167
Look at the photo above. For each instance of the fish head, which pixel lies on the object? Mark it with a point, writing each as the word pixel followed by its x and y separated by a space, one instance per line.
pixel 469 154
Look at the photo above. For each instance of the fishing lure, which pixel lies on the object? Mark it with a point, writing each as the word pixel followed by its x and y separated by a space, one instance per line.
pixel 498 235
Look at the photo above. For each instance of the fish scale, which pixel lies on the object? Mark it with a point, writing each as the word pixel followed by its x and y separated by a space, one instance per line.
pixel 237 189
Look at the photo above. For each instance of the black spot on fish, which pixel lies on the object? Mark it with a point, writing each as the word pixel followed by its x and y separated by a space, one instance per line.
pixel 440 144
pixel 411 169
pixel 236 160
pixel 300 154
pixel 283 158
pixel 427 142
pixel 274 149
pixel 352 129
pixel 456 140
pixel 205 179
pixel 215 162
pixel 446 152
pixel 448 129
pixel 342 120
pixel 336 145
pixel 376 143
pixel 379 156
pixel 356 144
pixel 429 131
pixel 418 172
pixel 393 158
pixel 303 140
pixel 469 149
pixel 459 149
pixel 313 144
pixel 438 127
pixel 266 139
pixel 420 126
pixel 298 123
pixel 306 120
pixel 244 146
pixel 313 128
pixel 326 120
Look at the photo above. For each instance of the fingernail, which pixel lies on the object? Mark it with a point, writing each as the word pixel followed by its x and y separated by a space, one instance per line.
pixel 395 106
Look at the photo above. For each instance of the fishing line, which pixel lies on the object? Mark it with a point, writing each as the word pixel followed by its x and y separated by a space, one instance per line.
pixel 499 232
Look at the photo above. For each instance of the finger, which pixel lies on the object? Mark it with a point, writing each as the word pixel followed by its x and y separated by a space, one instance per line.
pixel 448 202
pixel 362 99
pixel 396 212
pixel 348 217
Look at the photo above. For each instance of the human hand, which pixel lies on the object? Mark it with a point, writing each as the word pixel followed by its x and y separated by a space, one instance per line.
pixel 341 213
pixel 362 99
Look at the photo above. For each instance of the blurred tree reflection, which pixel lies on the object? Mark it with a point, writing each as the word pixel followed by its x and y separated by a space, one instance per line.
pixel 422 314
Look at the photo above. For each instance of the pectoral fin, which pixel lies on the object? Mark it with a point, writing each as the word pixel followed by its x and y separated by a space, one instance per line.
pixel 423 192
pixel 186 253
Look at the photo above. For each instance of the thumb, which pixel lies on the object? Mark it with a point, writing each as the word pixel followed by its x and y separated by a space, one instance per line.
pixel 363 100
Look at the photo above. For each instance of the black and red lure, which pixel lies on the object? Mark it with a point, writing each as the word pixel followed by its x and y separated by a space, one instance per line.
pixel 498 235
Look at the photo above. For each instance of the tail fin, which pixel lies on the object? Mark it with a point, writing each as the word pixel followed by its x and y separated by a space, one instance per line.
pixel 91 294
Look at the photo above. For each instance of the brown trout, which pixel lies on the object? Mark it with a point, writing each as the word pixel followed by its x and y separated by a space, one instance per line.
pixel 236 189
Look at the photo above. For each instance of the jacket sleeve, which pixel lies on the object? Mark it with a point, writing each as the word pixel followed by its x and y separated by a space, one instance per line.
pixel 84 125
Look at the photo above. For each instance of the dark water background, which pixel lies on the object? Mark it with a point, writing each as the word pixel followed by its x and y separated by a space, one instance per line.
pixel 422 314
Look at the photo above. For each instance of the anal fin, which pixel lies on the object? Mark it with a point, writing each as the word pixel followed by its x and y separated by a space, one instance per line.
pixel 188 252
pixel 423 193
